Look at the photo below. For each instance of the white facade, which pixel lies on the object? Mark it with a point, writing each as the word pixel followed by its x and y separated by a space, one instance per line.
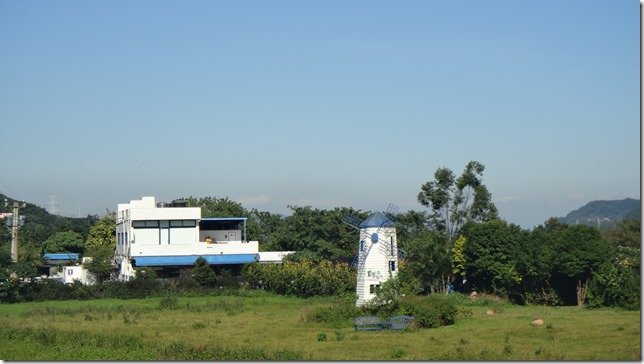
pixel 377 256
pixel 73 273
pixel 273 257
pixel 150 235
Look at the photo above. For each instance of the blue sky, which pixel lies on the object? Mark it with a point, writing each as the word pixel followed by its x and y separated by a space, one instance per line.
pixel 321 103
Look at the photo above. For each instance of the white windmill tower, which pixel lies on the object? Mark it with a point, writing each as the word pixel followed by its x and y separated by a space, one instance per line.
pixel 377 253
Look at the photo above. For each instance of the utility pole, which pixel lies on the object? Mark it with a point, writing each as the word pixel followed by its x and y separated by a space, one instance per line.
pixel 14 229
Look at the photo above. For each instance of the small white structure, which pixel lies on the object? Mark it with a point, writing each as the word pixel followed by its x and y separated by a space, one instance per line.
pixel 71 273
pixel 173 235
pixel 377 256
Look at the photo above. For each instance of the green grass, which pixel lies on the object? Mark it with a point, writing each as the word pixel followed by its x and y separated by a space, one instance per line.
pixel 261 326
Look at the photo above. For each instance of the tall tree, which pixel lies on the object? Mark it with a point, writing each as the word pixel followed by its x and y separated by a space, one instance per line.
pixel 100 245
pixel 578 251
pixel 428 260
pixel 455 201
pixel 492 256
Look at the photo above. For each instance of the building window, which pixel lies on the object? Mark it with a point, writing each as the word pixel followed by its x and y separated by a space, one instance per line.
pixel 145 224
pixel 361 245
pixel 391 242
pixel 392 265
pixel 183 223
pixel 374 288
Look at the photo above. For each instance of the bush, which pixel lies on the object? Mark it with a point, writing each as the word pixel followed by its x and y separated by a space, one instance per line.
pixel 337 313
pixel 203 273
pixel 616 286
pixel 430 311
pixel 303 278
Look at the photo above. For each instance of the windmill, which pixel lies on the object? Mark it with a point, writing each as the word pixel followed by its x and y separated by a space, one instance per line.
pixel 377 252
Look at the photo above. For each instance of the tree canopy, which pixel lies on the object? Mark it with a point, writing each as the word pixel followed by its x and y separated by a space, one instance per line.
pixel 455 201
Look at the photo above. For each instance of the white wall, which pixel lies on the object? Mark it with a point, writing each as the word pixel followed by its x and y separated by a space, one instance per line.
pixel 374 260
pixel 73 273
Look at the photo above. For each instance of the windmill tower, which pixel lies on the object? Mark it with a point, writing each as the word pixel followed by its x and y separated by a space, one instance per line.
pixel 377 253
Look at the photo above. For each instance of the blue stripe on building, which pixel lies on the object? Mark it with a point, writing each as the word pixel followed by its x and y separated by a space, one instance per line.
pixel 172 260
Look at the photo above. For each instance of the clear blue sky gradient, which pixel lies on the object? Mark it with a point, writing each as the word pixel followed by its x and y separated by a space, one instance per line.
pixel 321 103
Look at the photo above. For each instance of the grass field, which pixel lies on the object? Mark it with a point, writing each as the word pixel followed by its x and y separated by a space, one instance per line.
pixel 256 325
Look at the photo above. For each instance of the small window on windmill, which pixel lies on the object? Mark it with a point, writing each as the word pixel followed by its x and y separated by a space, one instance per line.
pixel 374 238
pixel 361 245
pixel 391 243
pixel 374 288
pixel 392 265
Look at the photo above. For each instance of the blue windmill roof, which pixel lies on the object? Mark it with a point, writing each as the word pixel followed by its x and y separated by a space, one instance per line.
pixel 377 219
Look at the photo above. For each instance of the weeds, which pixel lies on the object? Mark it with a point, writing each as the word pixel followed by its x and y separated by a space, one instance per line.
pixel 339 335
pixel 169 303
pixel 321 336
pixel 398 352
pixel 507 348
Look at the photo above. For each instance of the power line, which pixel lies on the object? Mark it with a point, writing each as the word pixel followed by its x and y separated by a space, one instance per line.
pixel 15 195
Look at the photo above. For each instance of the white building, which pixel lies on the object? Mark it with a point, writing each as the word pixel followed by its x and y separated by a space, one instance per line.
pixel 377 256
pixel 172 235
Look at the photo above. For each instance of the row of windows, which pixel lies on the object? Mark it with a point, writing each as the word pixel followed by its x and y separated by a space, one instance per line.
pixel 157 223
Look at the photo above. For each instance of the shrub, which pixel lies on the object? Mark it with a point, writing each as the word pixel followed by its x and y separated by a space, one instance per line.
pixel 614 285
pixel 203 273
pixel 430 311
pixel 301 278
pixel 169 302
pixel 321 336
pixel 336 313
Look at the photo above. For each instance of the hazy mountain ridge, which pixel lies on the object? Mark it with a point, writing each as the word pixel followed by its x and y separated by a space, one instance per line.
pixel 608 212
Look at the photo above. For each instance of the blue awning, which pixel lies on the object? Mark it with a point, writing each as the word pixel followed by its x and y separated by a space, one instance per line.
pixel 176 260
pixel 61 256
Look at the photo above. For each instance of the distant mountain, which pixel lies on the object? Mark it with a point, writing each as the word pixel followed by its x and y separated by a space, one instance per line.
pixel 607 212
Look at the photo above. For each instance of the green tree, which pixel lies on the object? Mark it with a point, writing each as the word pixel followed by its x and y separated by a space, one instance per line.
pixel 318 234
pixel 218 207
pixel 64 242
pixel 578 251
pixel 262 226
pixel 410 224
pixel 492 256
pixel 428 259
pixel 458 257
pixel 455 201
pixel 100 246
pixel 203 273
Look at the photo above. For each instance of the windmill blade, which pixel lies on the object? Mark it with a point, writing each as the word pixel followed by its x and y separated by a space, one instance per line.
pixel 352 220
pixel 392 210
pixel 385 246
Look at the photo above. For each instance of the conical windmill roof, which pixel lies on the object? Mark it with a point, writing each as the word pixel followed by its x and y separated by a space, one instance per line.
pixel 377 219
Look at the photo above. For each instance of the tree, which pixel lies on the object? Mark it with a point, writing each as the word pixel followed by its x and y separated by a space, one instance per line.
pixel 318 234
pixel 428 259
pixel 492 256
pixel 455 201
pixel 100 245
pixel 262 226
pixel 458 258
pixel 578 251
pixel 64 242
pixel 218 207
pixel 203 273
